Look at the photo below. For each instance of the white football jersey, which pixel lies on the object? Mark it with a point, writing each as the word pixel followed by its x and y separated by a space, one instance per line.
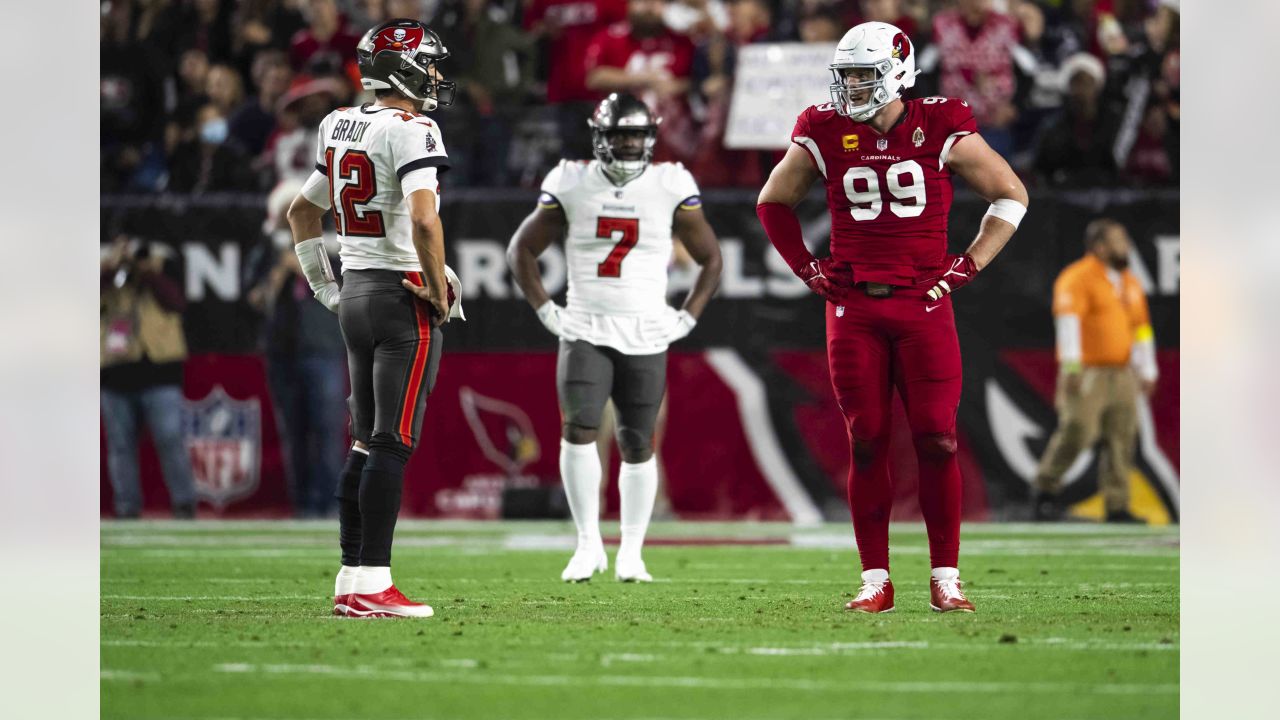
pixel 618 248
pixel 371 157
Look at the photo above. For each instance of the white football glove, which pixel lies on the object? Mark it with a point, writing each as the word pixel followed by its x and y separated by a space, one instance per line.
pixel 680 325
pixel 328 295
pixel 319 273
pixel 549 314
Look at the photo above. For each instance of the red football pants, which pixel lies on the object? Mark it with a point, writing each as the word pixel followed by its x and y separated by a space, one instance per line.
pixel 874 345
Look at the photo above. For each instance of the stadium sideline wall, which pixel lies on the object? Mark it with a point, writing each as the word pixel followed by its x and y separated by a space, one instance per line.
pixel 751 431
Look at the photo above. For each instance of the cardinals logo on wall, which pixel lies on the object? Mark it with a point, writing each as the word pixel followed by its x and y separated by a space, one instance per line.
pixel 503 431
pixel 505 435
pixel 224 439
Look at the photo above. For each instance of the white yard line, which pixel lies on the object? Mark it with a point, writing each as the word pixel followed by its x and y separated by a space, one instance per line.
pixel 225 598
pixel 717 683
pixel 127 675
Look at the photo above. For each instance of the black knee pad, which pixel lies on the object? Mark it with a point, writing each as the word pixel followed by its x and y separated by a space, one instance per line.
pixel 636 445
pixel 389 445
pixel 579 435
pixel 936 445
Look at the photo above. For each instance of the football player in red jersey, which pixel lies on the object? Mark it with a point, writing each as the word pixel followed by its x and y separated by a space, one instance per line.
pixel 887 165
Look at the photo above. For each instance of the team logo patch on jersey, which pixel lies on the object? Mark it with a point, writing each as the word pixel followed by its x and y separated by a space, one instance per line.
pixel 882 143
pixel 224 438
pixel 431 143
pixel 850 142
pixel 917 137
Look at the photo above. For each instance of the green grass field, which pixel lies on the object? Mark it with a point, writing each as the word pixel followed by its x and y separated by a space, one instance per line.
pixel 231 620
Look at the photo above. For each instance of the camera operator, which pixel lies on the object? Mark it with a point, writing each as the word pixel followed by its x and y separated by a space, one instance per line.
pixel 142 354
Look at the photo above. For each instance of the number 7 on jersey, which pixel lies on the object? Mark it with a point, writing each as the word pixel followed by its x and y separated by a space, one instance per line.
pixel 626 232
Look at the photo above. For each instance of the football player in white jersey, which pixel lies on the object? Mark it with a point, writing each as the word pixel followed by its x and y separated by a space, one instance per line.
pixel 617 214
pixel 376 167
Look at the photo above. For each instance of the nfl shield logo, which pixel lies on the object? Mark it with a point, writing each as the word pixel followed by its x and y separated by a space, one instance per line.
pixel 882 144
pixel 224 439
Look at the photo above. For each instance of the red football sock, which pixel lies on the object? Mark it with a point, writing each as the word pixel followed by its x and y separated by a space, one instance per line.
pixel 871 500
pixel 940 496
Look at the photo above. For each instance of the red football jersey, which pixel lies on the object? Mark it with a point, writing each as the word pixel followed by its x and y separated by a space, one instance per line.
pixel 576 22
pixel 889 194
pixel 615 46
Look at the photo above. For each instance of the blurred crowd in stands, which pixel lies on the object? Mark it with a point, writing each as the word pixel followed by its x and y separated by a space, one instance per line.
pixel 224 95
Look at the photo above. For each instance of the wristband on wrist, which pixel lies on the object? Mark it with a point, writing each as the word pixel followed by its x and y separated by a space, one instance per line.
pixel 1010 211
pixel 314 260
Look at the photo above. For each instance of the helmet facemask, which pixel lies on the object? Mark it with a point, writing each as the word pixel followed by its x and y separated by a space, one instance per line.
pixel 621 156
pixel 419 79
pixel 845 94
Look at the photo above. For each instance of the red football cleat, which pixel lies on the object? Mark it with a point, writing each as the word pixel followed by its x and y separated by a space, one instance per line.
pixel 388 603
pixel 340 604
pixel 875 595
pixel 945 594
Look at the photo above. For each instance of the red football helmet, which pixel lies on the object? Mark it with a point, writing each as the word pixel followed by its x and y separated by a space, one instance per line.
pixel 400 55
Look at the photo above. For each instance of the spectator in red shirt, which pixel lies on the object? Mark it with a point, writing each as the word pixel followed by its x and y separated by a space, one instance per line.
pixel 975 45
pixel 641 55
pixel 567 26
pixel 326 32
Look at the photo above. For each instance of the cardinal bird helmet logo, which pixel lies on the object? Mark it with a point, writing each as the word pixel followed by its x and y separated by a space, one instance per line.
pixel 901 47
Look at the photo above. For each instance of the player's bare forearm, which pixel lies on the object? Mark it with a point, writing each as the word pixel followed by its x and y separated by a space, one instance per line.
pixel 991 177
pixel 305 219
pixel 531 239
pixel 428 244
pixel 699 240
pixel 992 237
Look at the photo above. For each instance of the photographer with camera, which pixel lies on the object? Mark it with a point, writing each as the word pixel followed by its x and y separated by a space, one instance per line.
pixel 142 354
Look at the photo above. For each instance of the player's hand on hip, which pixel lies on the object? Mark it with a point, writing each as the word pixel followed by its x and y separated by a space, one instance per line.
pixel 960 270
pixel 439 306
pixel 823 280
pixel 550 315
pixel 328 295
pixel 680 325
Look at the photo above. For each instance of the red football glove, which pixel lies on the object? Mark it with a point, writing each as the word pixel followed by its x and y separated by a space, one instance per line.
pixel 960 270
pixel 825 280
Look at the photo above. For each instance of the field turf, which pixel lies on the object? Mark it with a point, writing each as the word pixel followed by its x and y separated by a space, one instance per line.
pixel 231 620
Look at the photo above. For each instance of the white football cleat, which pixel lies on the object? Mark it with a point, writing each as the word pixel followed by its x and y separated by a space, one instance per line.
pixel 585 563
pixel 631 569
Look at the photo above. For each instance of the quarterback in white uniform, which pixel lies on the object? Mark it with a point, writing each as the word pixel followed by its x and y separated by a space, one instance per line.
pixel 617 214
pixel 376 168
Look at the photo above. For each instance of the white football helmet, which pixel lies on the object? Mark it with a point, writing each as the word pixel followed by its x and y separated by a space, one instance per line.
pixel 882 47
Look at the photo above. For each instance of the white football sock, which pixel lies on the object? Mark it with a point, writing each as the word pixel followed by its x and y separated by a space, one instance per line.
pixel 372 579
pixel 580 470
pixel 637 486
pixel 875 575
pixel 945 573
pixel 345 584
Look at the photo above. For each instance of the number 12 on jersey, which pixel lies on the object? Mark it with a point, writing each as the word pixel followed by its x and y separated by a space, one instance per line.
pixel 359 186
pixel 626 233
